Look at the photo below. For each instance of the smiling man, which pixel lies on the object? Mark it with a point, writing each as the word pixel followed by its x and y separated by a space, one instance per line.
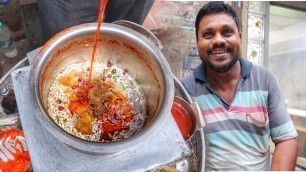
pixel 242 103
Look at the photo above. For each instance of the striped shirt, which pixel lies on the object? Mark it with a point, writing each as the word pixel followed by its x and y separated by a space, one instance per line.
pixel 237 135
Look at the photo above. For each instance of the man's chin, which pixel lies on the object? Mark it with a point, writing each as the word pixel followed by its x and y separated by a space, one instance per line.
pixel 221 67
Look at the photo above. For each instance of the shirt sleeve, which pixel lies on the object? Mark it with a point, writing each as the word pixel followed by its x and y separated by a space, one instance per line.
pixel 281 126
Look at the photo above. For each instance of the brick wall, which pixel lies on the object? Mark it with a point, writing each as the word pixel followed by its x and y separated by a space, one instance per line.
pixel 173 23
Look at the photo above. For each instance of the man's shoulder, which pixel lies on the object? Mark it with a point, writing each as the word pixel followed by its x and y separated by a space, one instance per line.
pixel 262 71
pixel 260 68
pixel 189 78
pixel 260 77
pixel 193 86
pixel 189 81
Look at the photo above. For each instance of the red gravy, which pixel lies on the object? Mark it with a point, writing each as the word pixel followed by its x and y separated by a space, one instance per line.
pixel 182 119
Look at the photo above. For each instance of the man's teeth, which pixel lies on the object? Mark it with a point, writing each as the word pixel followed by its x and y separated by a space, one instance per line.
pixel 219 52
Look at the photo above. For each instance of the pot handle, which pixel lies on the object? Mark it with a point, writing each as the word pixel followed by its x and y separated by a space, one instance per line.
pixel 140 29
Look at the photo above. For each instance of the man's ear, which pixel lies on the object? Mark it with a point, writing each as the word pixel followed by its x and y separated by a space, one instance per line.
pixel 240 35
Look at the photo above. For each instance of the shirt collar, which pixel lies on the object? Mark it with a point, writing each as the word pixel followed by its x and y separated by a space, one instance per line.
pixel 200 71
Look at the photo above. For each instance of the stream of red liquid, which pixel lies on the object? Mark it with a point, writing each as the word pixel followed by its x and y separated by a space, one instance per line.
pixel 100 20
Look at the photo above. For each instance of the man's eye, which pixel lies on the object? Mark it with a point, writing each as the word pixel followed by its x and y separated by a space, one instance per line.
pixel 227 32
pixel 207 35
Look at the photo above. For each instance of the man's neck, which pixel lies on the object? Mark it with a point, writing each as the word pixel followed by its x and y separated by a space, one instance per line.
pixel 225 83
pixel 224 78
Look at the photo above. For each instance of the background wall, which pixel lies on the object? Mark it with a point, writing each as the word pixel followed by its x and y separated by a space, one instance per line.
pixel 173 23
pixel 287 60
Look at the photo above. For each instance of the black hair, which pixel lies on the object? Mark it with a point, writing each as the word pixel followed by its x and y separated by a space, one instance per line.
pixel 216 7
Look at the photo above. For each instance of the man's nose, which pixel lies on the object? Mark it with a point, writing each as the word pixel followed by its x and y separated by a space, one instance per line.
pixel 218 39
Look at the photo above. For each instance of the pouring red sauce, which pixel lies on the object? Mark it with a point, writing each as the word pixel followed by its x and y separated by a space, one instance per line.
pixel 100 20
pixel 183 120
pixel 111 124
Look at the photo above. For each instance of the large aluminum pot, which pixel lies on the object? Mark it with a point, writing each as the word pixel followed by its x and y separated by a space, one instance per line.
pixel 128 50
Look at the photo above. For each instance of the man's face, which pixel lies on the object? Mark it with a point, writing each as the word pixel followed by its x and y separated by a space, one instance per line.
pixel 219 41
